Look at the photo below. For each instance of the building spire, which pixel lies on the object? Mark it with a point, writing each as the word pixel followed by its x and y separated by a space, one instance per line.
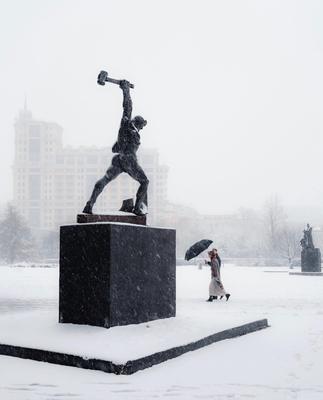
pixel 24 113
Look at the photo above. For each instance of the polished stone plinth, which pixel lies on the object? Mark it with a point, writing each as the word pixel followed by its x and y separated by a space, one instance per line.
pixel 311 260
pixel 123 217
pixel 116 274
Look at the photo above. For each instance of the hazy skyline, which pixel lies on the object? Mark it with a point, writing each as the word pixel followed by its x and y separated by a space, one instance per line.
pixel 232 91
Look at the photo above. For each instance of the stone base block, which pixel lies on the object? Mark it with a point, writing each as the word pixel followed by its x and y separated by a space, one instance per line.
pixel 307 273
pixel 130 366
pixel 311 260
pixel 116 274
pixel 123 217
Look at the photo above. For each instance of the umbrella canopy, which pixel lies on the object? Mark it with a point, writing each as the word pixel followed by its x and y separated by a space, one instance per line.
pixel 197 248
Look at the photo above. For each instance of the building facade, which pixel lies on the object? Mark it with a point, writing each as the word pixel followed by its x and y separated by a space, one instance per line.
pixel 53 182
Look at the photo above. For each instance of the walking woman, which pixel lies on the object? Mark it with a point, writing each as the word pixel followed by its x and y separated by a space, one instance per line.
pixel 216 287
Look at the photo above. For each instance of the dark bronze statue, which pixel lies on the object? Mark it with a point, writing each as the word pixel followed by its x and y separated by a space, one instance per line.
pixel 307 240
pixel 310 255
pixel 126 147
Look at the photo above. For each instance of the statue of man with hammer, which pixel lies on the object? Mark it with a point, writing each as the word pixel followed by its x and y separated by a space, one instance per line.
pixel 126 147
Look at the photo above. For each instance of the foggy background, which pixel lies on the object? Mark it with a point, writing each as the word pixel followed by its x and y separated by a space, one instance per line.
pixel 232 91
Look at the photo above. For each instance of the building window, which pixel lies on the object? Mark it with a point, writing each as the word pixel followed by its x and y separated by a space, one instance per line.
pixel 92 159
pixel 90 181
pixel 34 217
pixel 34 150
pixel 60 159
pixel 34 131
pixel 34 187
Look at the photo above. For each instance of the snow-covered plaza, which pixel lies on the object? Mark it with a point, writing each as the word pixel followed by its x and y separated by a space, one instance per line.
pixel 284 361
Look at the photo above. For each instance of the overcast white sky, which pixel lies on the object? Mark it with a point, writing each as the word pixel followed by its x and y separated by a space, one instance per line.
pixel 232 90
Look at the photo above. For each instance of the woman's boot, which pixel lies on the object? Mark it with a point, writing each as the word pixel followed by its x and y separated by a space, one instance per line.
pixel 227 296
pixel 210 298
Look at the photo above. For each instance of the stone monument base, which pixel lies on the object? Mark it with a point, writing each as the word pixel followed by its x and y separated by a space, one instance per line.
pixel 116 274
pixel 113 355
pixel 311 260
pixel 307 273
pixel 123 217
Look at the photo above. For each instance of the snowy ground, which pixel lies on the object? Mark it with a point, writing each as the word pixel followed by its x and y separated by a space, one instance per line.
pixel 284 361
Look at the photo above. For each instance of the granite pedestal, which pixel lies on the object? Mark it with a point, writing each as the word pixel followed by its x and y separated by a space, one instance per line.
pixel 311 260
pixel 128 218
pixel 116 274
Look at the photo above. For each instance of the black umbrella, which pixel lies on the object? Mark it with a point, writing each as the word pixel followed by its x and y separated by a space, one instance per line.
pixel 197 248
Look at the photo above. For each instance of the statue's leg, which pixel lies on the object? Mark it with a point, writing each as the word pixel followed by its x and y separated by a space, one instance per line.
pixel 112 172
pixel 132 167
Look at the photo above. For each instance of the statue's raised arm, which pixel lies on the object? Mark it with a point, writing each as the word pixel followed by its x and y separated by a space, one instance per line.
pixel 127 102
pixel 126 117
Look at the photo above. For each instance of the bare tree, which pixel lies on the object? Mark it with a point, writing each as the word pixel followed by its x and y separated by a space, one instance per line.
pixel 49 247
pixel 289 243
pixel 16 242
pixel 274 222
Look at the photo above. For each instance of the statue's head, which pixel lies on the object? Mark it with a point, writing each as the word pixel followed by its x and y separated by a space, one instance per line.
pixel 139 122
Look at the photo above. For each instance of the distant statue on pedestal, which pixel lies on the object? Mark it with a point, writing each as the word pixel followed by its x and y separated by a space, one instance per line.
pixel 310 256
pixel 126 148
pixel 307 241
